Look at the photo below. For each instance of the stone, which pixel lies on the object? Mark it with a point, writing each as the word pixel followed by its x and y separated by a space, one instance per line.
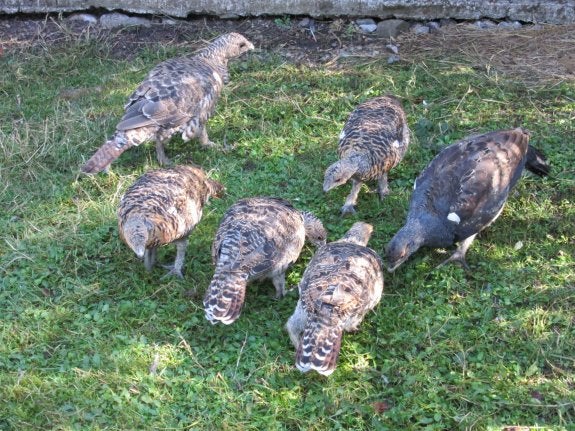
pixel 367 25
pixel 516 24
pixel 392 27
pixel 115 19
pixel 434 26
pixel 419 29
pixel 392 48
pixel 393 58
pixel 83 17
pixel 444 22
pixel 510 24
pixel 304 22
pixel 484 24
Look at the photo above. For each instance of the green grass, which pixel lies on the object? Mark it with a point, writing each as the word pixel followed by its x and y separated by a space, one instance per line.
pixel 81 322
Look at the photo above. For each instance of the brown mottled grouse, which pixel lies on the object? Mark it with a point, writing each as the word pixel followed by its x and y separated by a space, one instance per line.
pixel 462 191
pixel 177 96
pixel 164 206
pixel 373 140
pixel 258 238
pixel 343 281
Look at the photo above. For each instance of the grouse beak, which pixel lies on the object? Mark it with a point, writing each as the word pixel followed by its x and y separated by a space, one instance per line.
pixel 392 266
pixel 327 187
pixel 140 252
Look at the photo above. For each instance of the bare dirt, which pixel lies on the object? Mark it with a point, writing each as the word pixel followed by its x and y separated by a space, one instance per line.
pixel 320 43
pixel 534 54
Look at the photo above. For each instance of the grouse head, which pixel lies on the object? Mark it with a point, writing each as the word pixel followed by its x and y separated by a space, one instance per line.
pixel 405 242
pixel 216 188
pixel 358 234
pixel 339 173
pixel 233 44
pixel 136 232
pixel 314 230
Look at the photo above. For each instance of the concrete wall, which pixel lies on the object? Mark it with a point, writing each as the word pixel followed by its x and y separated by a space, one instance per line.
pixel 541 11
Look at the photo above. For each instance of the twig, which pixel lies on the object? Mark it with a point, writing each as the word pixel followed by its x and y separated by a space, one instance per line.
pixel 188 349
pixel 240 356
pixel 155 364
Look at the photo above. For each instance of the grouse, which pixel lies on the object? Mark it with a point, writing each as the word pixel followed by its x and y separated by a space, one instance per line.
pixel 164 206
pixel 258 238
pixel 462 191
pixel 373 140
pixel 343 281
pixel 178 96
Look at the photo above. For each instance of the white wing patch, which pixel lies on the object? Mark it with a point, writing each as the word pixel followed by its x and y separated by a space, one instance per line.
pixel 217 78
pixel 415 184
pixel 453 217
pixel 342 135
pixel 395 144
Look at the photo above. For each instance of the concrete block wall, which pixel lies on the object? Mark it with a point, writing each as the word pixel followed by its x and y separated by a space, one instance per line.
pixel 537 11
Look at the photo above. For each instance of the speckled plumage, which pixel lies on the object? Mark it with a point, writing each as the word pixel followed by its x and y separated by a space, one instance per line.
pixel 343 281
pixel 164 206
pixel 462 191
pixel 258 238
pixel 373 140
pixel 178 96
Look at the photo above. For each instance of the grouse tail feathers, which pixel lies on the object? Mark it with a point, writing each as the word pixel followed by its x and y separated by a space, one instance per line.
pixel 537 162
pixel 319 348
pixel 225 297
pixel 105 155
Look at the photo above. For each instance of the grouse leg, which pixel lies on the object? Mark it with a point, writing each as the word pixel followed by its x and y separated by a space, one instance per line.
pixel 459 254
pixel 161 154
pixel 382 188
pixel 353 324
pixel 176 268
pixel 351 200
pixel 203 137
pixel 279 282
pixel 150 258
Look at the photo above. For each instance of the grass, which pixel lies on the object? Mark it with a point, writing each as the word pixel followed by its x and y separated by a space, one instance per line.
pixel 89 340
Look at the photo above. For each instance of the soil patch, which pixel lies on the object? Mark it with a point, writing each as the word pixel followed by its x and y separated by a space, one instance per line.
pixel 533 53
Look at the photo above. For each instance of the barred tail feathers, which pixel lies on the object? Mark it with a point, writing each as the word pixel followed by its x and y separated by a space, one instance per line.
pixel 105 155
pixel 225 297
pixel 319 348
